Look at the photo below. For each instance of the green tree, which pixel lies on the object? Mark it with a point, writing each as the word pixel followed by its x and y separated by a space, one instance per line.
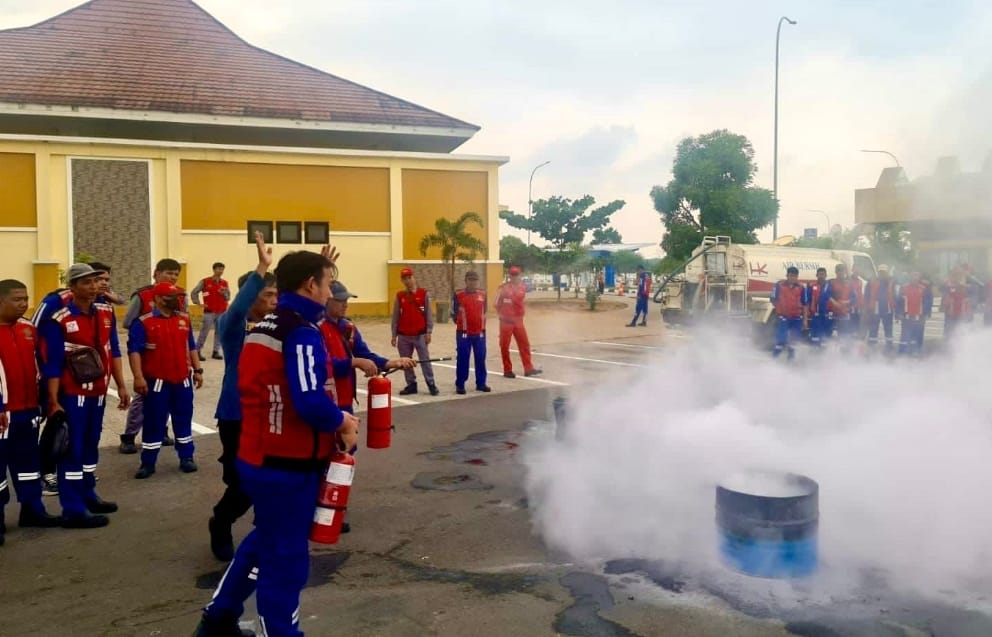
pixel 455 242
pixel 513 251
pixel 626 261
pixel 563 223
pixel 606 235
pixel 712 192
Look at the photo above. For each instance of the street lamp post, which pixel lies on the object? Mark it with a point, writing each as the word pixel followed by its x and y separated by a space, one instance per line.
pixel 884 152
pixel 530 198
pixel 778 35
pixel 824 213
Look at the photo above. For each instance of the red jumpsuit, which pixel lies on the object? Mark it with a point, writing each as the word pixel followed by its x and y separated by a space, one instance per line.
pixel 510 308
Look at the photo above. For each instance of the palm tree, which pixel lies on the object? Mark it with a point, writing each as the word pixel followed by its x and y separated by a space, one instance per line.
pixel 454 241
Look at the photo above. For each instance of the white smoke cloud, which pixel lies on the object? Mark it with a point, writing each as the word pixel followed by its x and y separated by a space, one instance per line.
pixel 901 451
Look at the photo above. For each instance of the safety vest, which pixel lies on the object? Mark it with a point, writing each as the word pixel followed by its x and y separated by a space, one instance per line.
pixel 841 291
pixel 166 353
pixel 872 299
pixel 213 295
pixel 89 330
pixel 471 315
pixel 789 299
pixel 644 286
pixel 955 301
pixel 413 312
pixel 272 433
pixel 913 295
pixel 18 366
pixel 339 338
pixel 815 291
pixel 148 299
pixel 510 301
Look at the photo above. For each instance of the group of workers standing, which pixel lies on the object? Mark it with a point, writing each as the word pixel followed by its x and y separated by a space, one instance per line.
pixel 849 309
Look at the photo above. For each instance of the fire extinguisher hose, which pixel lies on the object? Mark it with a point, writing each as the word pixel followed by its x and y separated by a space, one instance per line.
pixel 419 362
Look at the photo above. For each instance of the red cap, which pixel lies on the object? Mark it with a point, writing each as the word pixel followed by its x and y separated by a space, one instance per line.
pixel 514 270
pixel 165 289
pixel 405 272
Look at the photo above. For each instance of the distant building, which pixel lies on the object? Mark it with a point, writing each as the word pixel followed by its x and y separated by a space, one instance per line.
pixel 133 130
pixel 949 213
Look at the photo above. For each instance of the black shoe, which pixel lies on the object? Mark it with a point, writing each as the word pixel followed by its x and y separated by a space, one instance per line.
pixel 409 389
pixel 534 372
pixel 509 375
pixel 127 445
pixel 40 519
pixel 644 324
pixel 85 521
pixel 433 389
pixel 459 390
pixel 188 466
pixel 145 471
pixel 221 540
pixel 167 441
pixel 346 527
pixel 483 388
pixel 631 325
pixel 225 627
pixel 49 484
pixel 99 505
pixel 216 356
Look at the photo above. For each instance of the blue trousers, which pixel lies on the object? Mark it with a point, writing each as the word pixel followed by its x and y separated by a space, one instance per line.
pixel 640 309
pixel 873 322
pixel 821 329
pixel 163 400
pixel 787 329
pixel 76 472
pixel 19 452
pixel 275 557
pixel 466 344
pixel 911 336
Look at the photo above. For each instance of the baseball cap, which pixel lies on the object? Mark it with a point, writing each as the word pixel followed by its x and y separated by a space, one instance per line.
pixel 165 288
pixel 340 293
pixel 405 272
pixel 514 270
pixel 81 271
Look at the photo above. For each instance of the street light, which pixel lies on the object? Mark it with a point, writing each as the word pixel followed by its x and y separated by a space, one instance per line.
pixel 530 199
pixel 778 35
pixel 884 152
pixel 822 212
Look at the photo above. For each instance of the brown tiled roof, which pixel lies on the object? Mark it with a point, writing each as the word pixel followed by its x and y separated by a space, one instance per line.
pixel 172 56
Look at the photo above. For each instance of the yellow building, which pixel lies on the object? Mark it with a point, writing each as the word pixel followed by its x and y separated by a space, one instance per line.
pixel 133 130
pixel 949 214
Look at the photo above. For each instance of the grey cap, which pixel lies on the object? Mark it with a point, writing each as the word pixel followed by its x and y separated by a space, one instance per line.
pixel 340 293
pixel 80 271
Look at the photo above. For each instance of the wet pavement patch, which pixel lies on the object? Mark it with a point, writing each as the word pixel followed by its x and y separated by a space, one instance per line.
pixel 481 449
pixel 439 481
pixel 591 594
pixel 654 571
pixel 488 583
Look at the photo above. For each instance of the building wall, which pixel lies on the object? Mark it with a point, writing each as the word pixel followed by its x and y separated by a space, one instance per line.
pixel 200 199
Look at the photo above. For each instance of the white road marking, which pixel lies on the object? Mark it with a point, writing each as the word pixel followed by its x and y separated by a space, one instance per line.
pixel 197 427
pixel 581 358
pixel 625 345
pixel 471 370
pixel 396 399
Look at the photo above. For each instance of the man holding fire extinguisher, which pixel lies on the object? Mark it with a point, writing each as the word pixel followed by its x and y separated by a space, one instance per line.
pixel 290 426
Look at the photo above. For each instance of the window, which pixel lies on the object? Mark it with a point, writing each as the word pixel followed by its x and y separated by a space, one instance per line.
pixel 289 232
pixel 317 232
pixel 265 227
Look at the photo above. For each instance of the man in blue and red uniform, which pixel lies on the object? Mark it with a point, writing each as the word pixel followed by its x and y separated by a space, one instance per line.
pixel 19 409
pixel 838 302
pixel 955 302
pixel 347 350
pixel 880 306
pixel 468 310
pixel 82 323
pixel 790 298
pixel 643 294
pixel 163 354
pixel 216 294
pixel 915 303
pixel 142 301
pixel 820 327
pixel 290 425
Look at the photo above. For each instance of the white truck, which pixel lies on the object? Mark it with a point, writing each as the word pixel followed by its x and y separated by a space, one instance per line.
pixel 735 279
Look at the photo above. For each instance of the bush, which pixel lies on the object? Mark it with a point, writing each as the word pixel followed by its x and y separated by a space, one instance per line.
pixel 592 297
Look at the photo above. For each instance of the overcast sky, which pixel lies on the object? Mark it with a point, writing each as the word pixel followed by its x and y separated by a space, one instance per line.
pixel 605 90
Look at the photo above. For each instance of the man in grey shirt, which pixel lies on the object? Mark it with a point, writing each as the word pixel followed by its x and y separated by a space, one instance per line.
pixel 412 326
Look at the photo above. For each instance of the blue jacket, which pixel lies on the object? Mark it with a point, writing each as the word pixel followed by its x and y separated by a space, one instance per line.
pixel 232 327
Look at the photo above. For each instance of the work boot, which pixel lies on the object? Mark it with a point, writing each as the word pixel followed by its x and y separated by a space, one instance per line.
pixel 534 372
pixel 40 519
pixel 409 389
pixel 644 324
pixel 167 441
pixel 460 390
pixel 433 389
pixel 221 540
pixel 226 626
pixel 84 521
pixel 483 388
pixel 631 325
pixel 216 356
pixel 49 484
pixel 509 375
pixel 127 445
pixel 187 465
pixel 145 471
pixel 99 505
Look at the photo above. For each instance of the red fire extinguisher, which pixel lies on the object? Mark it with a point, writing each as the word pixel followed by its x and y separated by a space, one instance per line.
pixel 332 500
pixel 380 413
